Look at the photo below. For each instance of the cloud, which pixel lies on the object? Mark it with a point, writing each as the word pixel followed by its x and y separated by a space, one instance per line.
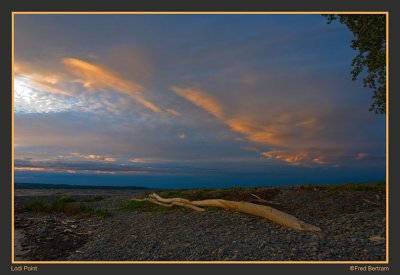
pixel 109 159
pixel 173 112
pixel 316 156
pixel 201 99
pixel 253 131
pixel 42 80
pixel 82 167
pixel 279 129
pixel 90 167
pixel 361 156
pixel 95 77
pixel 297 157
pixel 250 129
pixel 139 160
pixel 40 88
pixel 249 148
pixel 30 169
pixel 250 79
pixel 310 123
pixel 98 157
pixel 29 98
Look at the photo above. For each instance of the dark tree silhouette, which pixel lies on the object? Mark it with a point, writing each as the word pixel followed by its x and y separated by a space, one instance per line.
pixel 369 41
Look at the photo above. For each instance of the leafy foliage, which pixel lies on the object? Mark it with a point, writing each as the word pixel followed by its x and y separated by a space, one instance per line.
pixel 370 43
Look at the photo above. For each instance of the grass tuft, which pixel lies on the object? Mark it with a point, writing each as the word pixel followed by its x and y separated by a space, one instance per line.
pixel 35 206
pixel 371 186
pixel 103 213
pixel 65 199
pixel 96 198
pixel 213 209
pixel 65 204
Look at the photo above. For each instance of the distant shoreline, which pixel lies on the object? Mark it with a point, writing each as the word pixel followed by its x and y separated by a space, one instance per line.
pixel 70 186
pixel 109 187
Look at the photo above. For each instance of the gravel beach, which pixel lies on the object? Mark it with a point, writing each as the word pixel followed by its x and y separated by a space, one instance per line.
pixel 352 221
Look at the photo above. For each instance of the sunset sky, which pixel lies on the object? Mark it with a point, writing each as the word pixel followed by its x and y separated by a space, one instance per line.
pixel 190 101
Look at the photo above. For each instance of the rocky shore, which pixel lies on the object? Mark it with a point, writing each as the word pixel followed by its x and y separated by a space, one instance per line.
pixel 104 225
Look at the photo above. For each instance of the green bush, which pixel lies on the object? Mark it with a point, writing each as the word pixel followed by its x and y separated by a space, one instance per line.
pixel 103 213
pixel 36 206
pixel 65 199
pixel 96 198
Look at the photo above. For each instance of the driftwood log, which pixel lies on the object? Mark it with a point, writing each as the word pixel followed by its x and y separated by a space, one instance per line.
pixel 264 211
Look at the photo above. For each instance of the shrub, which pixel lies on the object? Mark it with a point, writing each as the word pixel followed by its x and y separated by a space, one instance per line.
pixel 35 206
pixel 96 198
pixel 103 213
pixel 65 199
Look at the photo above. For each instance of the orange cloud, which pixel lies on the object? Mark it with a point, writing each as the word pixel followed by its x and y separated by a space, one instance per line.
pixel 95 77
pixel 320 160
pixel 42 81
pixel 42 169
pixel 253 131
pixel 98 157
pixel 31 169
pixel 201 99
pixel 298 157
pixel 279 130
pixel 173 112
pixel 109 159
pixel 138 160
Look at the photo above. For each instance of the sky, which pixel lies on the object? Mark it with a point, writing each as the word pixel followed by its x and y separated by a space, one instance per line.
pixel 181 101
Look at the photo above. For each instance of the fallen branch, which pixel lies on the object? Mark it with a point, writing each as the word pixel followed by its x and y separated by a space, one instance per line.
pixel 188 205
pixel 257 197
pixel 177 203
pixel 260 200
pixel 153 201
pixel 264 211
pixel 371 202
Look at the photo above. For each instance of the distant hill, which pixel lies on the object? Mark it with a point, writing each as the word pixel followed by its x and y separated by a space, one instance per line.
pixel 19 185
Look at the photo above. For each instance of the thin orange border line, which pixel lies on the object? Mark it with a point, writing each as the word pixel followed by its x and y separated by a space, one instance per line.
pixel 206 262
pixel 12 139
pixel 195 12
pixel 387 137
pixel 200 262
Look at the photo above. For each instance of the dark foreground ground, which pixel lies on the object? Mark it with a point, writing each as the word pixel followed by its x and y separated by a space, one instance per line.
pixel 103 225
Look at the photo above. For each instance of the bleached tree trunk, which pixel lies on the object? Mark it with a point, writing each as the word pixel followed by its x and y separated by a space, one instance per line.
pixel 264 211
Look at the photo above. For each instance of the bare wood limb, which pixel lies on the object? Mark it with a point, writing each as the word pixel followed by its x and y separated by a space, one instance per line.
pixel 153 201
pixel 245 207
pixel 262 211
pixel 371 202
pixel 187 205
pixel 257 197
pixel 164 200
pixel 264 202
pixel 177 203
